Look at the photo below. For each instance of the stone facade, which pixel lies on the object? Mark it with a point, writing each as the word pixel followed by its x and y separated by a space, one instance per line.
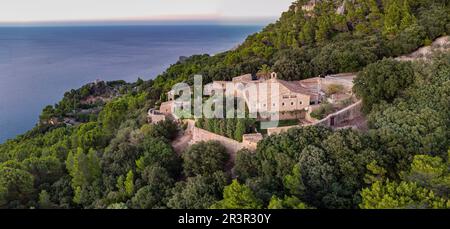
pixel 166 108
pixel 154 116
pixel 290 100
pixel 154 119
pixel 291 115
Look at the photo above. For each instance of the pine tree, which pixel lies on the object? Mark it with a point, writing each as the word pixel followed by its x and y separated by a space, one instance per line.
pixel 240 130
pixel 237 196
pixel 289 202
pixel 120 184
pixel 323 29
pixel 375 16
pixel 44 200
pixel 390 195
pixel 84 169
pixel 392 19
pixel 94 165
pixel 216 126
pixel 294 182
pixel 374 173
pixel 209 124
pixel 407 18
pixel 129 184
pixel 307 33
pixel 231 124
pixel 222 127
pixel 200 123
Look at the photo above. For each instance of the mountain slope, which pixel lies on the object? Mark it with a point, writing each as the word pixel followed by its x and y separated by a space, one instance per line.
pixel 114 159
pixel 337 36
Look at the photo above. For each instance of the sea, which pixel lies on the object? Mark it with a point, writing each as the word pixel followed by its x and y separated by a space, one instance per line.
pixel 39 64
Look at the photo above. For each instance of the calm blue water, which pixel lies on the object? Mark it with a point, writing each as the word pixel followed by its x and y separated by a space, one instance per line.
pixel 38 64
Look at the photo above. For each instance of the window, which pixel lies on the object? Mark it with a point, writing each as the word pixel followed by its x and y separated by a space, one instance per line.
pixel 274 105
pixel 285 97
pixel 292 103
pixel 301 103
pixel 293 96
pixel 282 104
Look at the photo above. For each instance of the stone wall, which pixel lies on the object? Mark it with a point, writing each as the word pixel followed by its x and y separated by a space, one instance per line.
pixel 250 141
pixel 166 108
pixel 279 130
pixel 232 146
pixel 343 79
pixel 335 120
pixel 156 118
pixel 292 115
pixel 342 116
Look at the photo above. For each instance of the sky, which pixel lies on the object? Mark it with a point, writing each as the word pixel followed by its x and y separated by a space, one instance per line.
pixel 45 11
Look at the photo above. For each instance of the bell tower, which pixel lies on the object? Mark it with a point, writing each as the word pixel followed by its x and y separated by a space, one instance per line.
pixel 273 75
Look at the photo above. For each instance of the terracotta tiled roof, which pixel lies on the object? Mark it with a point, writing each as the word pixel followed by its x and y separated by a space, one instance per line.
pixel 243 79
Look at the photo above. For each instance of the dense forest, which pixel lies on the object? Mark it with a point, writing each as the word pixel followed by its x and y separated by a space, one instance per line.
pixel 112 158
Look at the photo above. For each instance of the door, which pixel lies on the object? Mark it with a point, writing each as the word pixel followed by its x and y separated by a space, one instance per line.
pixel 332 121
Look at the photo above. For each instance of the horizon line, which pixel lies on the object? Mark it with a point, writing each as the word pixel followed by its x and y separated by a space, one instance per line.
pixel 183 20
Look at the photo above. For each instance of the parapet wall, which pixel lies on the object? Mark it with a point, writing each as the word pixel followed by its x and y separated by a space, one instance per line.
pixel 279 130
pixel 156 118
pixel 343 79
pixel 339 118
pixel 232 146
pixel 166 108
pixel 334 120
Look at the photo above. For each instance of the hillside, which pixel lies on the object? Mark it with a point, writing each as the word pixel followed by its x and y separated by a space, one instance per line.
pixel 112 158
pixel 304 44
